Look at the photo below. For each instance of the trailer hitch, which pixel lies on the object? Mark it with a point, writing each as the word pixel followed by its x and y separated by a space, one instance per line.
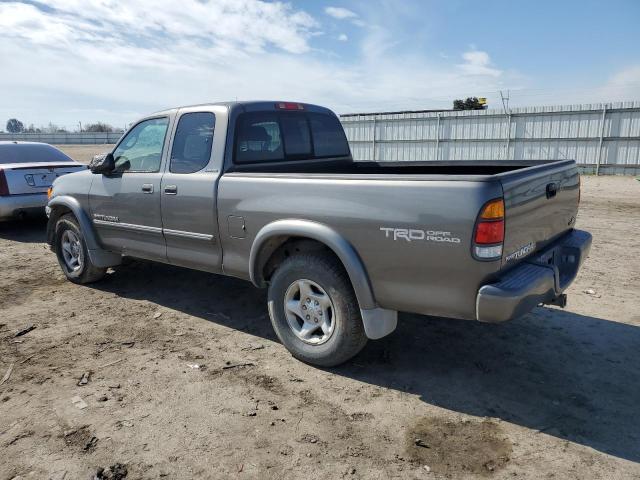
pixel 559 301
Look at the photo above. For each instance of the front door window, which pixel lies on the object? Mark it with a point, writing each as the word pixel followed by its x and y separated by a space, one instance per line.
pixel 141 149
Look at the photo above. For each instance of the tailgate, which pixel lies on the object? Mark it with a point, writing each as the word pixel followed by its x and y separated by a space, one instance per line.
pixel 541 203
pixel 35 178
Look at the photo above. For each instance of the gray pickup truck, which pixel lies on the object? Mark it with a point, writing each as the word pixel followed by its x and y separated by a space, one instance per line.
pixel 268 192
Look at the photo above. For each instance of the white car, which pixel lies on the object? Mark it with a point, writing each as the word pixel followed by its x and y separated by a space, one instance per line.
pixel 27 170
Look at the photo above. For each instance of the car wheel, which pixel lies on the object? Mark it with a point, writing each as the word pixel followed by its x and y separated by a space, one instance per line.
pixel 71 250
pixel 314 310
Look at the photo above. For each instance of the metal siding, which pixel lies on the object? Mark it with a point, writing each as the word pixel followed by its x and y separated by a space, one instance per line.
pixel 532 133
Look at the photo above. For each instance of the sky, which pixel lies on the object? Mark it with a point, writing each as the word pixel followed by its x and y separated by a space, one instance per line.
pixel 71 61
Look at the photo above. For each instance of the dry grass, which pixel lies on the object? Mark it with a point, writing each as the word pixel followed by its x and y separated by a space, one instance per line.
pixel 84 153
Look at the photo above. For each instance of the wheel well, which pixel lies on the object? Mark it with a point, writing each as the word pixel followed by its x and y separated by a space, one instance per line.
pixel 278 249
pixel 56 212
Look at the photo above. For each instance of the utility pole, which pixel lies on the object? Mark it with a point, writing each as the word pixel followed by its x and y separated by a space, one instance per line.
pixel 505 101
pixel 507 112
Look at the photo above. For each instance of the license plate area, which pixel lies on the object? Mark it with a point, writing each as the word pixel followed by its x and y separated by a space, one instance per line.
pixel 564 260
pixel 44 179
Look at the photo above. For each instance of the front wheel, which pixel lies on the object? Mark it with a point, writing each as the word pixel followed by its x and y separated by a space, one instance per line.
pixel 71 250
pixel 314 310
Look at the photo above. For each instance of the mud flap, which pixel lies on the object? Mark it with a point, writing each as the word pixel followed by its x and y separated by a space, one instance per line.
pixel 379 322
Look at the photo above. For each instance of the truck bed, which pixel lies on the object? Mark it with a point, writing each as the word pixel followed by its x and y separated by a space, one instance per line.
pixel 362 200
pixel 339 166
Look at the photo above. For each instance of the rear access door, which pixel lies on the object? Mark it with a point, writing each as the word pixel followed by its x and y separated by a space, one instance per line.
pixel 189 188
pixel 541 203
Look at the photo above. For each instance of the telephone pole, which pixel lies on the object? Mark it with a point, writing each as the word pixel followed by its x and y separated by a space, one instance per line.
pixel 505 101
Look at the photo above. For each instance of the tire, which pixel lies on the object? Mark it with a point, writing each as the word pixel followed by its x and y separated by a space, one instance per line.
pixel 333 310
pixel 68 235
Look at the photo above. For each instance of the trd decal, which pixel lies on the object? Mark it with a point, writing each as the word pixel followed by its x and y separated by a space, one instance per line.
pixel 418 235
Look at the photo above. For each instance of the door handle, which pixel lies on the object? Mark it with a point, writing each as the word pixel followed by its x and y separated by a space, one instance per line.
pixel 147 188
pixel 171 190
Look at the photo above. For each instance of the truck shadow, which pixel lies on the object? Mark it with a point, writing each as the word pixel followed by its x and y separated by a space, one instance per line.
pixel 568 375
pixel 32 229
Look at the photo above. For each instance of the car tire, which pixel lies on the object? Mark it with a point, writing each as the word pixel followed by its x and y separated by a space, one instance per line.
pixel 310 290
pixel 71 250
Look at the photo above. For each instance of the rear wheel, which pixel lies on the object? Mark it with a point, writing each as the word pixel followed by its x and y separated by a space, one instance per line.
pixel 314 310
pixel 71 250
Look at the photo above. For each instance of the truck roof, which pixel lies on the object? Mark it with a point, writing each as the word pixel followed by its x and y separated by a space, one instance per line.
pixel 250 105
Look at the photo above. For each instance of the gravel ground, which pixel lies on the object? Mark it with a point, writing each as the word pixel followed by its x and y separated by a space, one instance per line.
pixel 187 380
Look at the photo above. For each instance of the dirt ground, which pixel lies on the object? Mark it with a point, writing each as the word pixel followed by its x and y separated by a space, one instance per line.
pixel 187 380
pixel 84 153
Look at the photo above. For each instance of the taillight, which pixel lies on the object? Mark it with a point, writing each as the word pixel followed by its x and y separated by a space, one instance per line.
pixel 489 233
pixel 4 188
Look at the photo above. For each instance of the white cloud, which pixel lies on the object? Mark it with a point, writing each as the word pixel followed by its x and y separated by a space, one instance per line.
pixel 241 25
pixel 477 62
pixel 108 62
pixel 624 85
pixel 340 13
pixel 343 37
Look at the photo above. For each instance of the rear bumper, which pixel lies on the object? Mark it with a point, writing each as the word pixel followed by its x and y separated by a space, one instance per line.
pixel 540 279
pixel 12 205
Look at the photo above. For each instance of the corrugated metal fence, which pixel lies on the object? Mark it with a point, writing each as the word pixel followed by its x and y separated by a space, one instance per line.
pixel 602 138
pixel 62 138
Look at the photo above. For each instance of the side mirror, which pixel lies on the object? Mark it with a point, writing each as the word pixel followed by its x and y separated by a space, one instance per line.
pixel 102 164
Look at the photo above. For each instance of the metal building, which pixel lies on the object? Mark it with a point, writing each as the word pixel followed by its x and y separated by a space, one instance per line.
pixel 602 138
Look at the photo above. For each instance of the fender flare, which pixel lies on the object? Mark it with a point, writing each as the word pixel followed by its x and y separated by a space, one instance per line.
pixel 83 219
pixel 261 251
pixel 99 256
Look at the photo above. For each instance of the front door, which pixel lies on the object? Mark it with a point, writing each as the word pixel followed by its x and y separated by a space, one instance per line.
pixel 189 212
pixel 125 205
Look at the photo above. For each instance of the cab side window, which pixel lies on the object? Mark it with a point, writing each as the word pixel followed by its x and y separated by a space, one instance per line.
pixel 141 148
pixel 192 143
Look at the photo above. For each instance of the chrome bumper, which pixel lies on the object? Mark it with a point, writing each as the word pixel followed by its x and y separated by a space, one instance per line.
pixel 539 279
pixel 13 205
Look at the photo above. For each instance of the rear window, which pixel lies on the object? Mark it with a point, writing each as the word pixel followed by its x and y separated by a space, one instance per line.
pixel 258 138
pixel 278 136
pixel 297 140
pixel 329 139
pixel 31 152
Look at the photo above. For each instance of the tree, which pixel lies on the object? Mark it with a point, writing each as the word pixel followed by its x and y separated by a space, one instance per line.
pixel 471 103
pixel 99 127
pixel 14 125
pixel 53 128
pixel 32 129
